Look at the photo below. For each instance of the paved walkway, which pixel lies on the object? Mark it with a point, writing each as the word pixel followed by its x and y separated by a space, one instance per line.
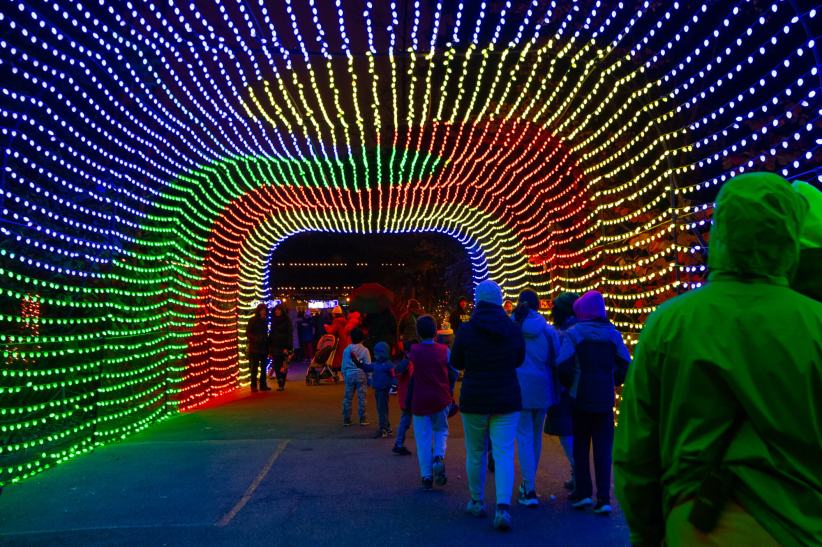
pixel 278 469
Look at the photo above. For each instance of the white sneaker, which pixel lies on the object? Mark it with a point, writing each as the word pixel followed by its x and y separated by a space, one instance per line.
pixel 475 508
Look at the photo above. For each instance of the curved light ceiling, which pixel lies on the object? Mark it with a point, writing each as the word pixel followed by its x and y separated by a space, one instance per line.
pixel 155 152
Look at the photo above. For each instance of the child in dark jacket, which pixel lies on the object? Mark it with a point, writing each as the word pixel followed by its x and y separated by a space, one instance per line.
pixel 383 372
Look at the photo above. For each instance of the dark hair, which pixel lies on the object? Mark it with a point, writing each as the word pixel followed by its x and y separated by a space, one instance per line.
pixel 278 307
pixel 357 335
pixel 426 327
pixel 259 307
pixel 563 308
pixel 528 300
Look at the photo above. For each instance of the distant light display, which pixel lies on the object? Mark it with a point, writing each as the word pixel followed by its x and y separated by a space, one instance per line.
pixel 157 153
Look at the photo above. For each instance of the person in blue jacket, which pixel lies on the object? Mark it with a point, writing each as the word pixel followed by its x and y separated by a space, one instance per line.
pixel 536 382
pixel 592 361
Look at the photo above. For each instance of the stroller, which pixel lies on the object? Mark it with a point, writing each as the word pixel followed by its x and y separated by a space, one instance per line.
pixel 320 366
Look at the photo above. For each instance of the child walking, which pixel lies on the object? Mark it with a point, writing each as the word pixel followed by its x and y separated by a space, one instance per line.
pixel 430 402
pixel 383 372
pixel 354 357
pixel 404 372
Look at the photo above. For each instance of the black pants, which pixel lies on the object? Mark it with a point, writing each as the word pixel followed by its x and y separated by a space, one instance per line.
pixel 596 427
pixel 256 362
pixel 277 363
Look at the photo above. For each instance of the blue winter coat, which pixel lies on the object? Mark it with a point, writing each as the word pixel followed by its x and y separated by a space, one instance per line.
pixel 383 371
pixel 536 374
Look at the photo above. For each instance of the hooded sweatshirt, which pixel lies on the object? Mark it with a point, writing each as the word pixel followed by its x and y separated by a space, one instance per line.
pixel 489 348
pixel 536 378
pixel 743 344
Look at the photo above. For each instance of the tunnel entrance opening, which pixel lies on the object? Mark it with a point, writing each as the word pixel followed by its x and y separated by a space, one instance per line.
pixel 430 267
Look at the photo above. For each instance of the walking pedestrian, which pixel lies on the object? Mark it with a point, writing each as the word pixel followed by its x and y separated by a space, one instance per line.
pixel 808 277
pixel 256 332
pixel 460 315
pixel 354 357
pixel 592 361
pixel 294 317
pixel 430 402
pixel 559 420
pixel 408 324
pixel 720 436
pixel 383 373
pixel 536 382
pixel 489 348
pixel 306 332
pixel 280 344
pixel 404 372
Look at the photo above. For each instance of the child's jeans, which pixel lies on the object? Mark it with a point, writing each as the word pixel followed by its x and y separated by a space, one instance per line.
pixel 431 433
pixel 354 381
pixel 381 396
pixel 402 429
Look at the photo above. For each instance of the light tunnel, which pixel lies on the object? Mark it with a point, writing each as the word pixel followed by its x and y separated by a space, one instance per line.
pixel 156 152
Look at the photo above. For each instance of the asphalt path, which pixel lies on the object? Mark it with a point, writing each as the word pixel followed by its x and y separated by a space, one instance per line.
pixel 278 468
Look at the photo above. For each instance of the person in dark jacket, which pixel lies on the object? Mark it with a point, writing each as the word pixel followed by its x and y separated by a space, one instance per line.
pixel 320 321
pixel 305 328
pixel 592 361
pixel 257 350
pixel 460 315
pixel 280 343
pixel 559 419
pixel 408 324
pixel 489 348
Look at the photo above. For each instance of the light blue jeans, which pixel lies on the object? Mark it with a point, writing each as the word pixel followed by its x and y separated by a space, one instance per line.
pixel 355 381
pixel 431 435
pixel 529 444
pixel 502 429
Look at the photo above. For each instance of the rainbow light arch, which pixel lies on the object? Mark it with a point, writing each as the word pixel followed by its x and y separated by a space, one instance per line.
pixel 156 153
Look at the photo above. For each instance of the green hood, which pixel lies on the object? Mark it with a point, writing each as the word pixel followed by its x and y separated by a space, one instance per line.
pixel 756 226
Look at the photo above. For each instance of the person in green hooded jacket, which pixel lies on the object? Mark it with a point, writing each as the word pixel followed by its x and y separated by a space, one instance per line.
pixel 738 359
pixel 808 278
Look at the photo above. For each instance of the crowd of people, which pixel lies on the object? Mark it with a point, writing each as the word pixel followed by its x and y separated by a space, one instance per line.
pixel 720 436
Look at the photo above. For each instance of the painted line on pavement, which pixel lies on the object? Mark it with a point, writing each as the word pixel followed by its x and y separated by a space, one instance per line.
pixel 228 517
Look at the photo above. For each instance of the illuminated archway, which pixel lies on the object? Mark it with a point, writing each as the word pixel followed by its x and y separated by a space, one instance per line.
pixel 154 155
